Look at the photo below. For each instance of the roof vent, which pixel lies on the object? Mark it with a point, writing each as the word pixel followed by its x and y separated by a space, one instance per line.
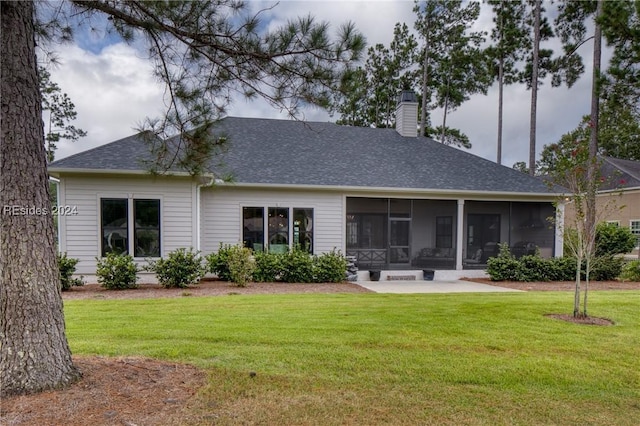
pixel 407 114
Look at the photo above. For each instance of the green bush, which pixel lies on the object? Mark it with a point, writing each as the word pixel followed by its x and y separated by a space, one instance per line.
pixel 612 239
pixel 329 267
pixel 605 268
pixel 268 267
pixel 504 266
pixel 218 263
pixel 561 268
pixel 179 269
pixel 241 265
pixel 631 271
pixel 297 267
pixel 66 267
pixel 117 271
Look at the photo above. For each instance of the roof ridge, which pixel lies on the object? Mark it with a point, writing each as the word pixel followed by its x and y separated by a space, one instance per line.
pixel 623 167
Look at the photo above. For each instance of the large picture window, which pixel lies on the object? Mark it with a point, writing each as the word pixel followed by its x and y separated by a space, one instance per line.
pixel 285 228
pixel 130 226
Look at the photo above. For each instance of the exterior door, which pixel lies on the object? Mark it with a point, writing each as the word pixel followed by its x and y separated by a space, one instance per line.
pixel 399 247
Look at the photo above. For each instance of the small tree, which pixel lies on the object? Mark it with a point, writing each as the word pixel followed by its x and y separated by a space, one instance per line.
pixel 575 172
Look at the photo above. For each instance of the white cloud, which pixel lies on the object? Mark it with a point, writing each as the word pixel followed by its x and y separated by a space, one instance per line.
pixel 114 89
pixel 113 92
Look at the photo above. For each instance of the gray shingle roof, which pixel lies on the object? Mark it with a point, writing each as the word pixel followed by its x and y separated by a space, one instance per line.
pixel 620 173
pixel 284 152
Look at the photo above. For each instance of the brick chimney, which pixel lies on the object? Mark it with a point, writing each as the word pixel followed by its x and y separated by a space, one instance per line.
pixel 407 114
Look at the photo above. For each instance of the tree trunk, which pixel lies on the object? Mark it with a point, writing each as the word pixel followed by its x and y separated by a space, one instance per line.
pixel 444 120
pixel 534 87
pixel 425 83
pixel 500 105
pixel 592 167
pixel 34 354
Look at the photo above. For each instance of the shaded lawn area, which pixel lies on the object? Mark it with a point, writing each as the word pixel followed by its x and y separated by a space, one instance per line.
pixel 470 359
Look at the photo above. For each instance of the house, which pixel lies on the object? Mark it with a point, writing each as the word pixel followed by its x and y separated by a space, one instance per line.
pixel 386 196
pixel 618 198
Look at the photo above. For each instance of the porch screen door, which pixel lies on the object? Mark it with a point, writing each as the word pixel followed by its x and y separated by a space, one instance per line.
pixel 399 250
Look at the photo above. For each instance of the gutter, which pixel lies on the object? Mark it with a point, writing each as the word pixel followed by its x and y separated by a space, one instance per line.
pixel 442 193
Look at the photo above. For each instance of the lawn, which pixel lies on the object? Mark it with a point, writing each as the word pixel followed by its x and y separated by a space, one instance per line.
pixel 474 359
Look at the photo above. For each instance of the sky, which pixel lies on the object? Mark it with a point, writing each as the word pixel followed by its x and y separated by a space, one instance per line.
pixel 113 89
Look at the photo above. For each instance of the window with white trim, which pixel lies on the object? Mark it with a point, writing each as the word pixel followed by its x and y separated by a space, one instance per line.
pixel 635 229
pixel 130 226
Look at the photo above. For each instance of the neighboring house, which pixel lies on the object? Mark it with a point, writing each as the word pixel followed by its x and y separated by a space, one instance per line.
pixel 619 197
pixel 392 199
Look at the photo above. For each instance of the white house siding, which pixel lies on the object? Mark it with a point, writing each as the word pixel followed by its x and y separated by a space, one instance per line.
pixel 80 233
pixel 221 214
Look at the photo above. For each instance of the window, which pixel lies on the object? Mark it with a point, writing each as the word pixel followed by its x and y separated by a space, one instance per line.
pixel 285 228
pixel 444 231
pixel 278 229
pixel 146 229
pixel 115 226
pixel 635 229
pixel 253 227
pixel 303 229
pixel 116 216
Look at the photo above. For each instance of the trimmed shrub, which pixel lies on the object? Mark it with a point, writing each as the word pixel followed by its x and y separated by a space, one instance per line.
pixel 66 267
pixel 241 265
pixel 631 271
pixel 329 267
pixel 218 263
pixel 268 267
pixel 613 239
pixel 179 269
pixel 605 268
pixel 117 271
pixel 504 266
pixel 297 267
pixel 561 268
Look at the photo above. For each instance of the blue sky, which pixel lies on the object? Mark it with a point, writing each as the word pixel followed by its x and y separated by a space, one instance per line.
pixel 113 89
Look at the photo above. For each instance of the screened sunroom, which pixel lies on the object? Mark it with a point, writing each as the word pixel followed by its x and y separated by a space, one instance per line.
pixel 395 233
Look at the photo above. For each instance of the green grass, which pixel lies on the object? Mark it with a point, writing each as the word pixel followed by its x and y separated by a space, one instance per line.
pixel 475 359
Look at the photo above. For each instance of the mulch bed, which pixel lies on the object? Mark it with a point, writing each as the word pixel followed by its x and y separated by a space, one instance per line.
pixel 559 285
pixel 208 288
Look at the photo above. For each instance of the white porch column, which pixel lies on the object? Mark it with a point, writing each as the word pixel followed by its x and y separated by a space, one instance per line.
pixel 559 244
pixel 459 234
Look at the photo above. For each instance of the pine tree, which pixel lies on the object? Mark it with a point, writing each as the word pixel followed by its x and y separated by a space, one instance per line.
pixel 452 62
pixel 510 41
pixel 203 51
pixel 59 114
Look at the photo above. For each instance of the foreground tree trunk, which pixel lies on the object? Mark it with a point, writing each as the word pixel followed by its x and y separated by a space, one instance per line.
pixel 534 87
pixel 592 171
pixel 34 354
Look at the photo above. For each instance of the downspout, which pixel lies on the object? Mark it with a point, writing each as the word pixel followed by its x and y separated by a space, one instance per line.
pixel 208 183
pixel 56 182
